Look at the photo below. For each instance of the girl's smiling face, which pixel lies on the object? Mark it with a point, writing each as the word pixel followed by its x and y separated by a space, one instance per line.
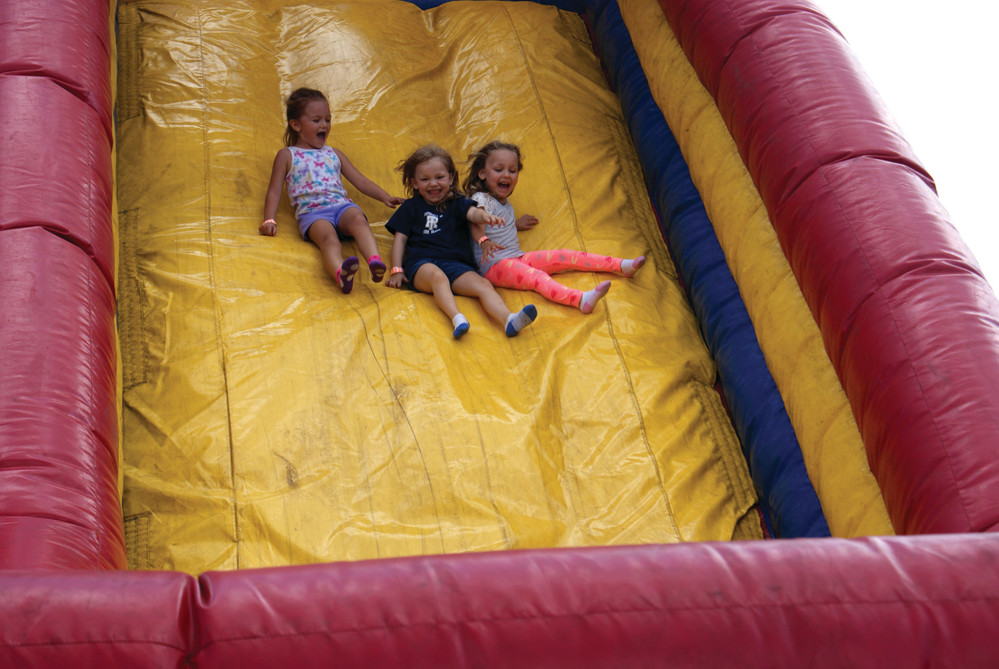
pixel 313 125
pixel 432 180
pixel 500 173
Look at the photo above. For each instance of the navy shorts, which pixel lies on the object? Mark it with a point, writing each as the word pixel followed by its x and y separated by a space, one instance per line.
pixel 452 268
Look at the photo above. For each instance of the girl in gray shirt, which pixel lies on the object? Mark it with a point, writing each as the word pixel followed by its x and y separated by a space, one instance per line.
pixel 492 176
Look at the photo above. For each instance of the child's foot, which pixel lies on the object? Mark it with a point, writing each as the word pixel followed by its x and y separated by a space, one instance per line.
pixel 377 268
pixel 345 275
pixel 520 320
pixel 591 297
pixel 629 267
pixel 460 325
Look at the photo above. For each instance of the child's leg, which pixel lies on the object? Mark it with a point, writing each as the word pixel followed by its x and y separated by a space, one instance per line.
pixel 471 284
pixel 430 279
pixel 562 260
pixel 511 273
pixel 354 223
pixel 323 235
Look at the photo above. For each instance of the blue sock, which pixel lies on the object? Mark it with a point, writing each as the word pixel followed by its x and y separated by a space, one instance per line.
pixel 460 325
pixel 520 320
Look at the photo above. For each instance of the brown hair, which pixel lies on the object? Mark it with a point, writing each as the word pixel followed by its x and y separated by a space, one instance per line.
pixel 473 184
pixel 422 155
pixel 295 107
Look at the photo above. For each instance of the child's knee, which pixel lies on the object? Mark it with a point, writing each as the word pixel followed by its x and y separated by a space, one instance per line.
pixel 439 280
pixel 353 220
pixel 479 283
pixel 321 232
pixel 430 279
pixel 331 242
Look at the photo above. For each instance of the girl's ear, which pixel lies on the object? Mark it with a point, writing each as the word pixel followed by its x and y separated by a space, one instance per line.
pixel 482 174
pixel 295 125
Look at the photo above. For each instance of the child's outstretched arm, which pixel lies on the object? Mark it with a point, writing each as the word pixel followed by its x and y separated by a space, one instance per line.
pixel 396 277
pixel 364 184
pixel 282 162
pixel 478 218
pixel 481 217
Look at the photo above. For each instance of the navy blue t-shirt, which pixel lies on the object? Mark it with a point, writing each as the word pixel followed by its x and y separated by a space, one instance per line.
pixel 433 233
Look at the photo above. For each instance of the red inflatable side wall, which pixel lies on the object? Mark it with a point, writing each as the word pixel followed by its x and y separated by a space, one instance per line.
pixel 888 602
pixel 916 601
pixel 909 322
pixel 59 505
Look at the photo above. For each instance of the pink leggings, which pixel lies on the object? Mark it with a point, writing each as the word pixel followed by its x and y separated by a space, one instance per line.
pixel 530 272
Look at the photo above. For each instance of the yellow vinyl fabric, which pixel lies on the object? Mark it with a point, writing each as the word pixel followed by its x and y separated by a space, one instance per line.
pixel 112 42
pixel 270 420
pixel 819 411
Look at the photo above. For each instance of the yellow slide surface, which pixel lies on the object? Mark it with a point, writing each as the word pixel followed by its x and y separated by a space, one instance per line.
pixel 270 420
pixel 789 337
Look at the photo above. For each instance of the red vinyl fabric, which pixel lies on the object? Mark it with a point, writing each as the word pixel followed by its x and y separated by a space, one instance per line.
pixel 55 107
pixel 71 618
pixel 59 456
pixel 878 602
pixel 908 320
pixel 58 410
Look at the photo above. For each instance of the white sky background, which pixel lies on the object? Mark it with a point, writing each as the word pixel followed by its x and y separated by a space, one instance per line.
pixel 936 66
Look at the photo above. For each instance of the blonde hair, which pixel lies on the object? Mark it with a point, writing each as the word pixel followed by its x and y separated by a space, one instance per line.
pixel 422 155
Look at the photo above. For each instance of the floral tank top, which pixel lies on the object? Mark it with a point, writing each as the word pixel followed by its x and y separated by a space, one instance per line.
pixel 314 179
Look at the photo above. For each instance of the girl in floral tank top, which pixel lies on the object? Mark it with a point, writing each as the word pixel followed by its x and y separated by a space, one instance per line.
pixel 312 173
pixel 313 181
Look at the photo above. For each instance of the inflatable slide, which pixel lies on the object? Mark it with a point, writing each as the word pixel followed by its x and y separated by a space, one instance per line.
pixel 775 444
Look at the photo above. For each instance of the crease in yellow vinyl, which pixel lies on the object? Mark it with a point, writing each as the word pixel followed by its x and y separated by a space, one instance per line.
pixel 819 411
pixel 270 420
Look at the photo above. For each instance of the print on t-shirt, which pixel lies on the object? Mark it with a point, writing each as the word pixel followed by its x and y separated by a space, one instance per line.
pixel 430 226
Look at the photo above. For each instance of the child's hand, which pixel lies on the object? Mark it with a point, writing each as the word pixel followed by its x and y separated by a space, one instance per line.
pixel 395 280
pixel 489 247
pixel 268 227
pixel 392 201
pixel 526 222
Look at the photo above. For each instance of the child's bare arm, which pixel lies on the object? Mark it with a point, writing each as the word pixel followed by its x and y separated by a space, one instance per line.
pixel 488 246
pixel 396 277
pixel 479 216
pixel 282 161
pixel 364 184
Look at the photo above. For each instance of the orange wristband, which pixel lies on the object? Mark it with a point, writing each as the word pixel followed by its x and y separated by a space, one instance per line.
pixel 483 238
pixel 396 270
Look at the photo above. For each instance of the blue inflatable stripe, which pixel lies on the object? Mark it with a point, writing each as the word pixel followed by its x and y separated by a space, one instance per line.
pixel 771 448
